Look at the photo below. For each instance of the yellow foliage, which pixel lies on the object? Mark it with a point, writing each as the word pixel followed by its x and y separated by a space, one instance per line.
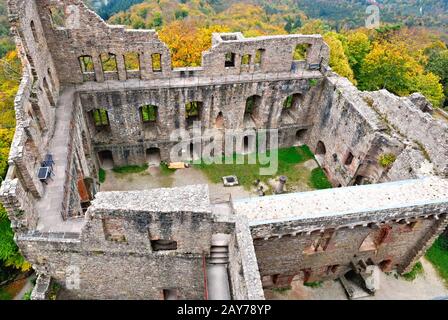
pixel 338 59
pixel 187 41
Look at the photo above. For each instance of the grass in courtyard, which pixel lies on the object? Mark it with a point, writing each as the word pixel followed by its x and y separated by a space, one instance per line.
pixel 281 290
pixel 102 175
pixel 319 180
pixel 438 256
pixel 413 274
pixel 313 285
pixel 130 169
pixel 165 170
pixel 288 159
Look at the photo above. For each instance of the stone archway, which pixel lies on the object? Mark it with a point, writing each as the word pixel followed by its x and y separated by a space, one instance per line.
pixel 106 159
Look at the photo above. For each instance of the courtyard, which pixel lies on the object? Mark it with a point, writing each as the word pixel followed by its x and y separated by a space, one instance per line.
pixel 297 164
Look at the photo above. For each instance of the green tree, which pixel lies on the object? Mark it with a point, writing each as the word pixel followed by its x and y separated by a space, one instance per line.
pixel 357 47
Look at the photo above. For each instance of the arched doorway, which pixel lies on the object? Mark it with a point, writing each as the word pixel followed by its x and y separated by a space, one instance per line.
pixel 153 156
pixel 106 159
pixel 300 137
pixel 219 122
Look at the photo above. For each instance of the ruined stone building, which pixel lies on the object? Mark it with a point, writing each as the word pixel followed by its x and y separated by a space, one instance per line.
pixel 81 101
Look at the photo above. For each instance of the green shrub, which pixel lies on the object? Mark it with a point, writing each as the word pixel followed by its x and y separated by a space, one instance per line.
pixel 130 169
pixel 54 290
pixel 313 82
pixel 281 290
pixel 416 270
pixel 102 175
pixel 27 295
pixel 5 295
pixel 386 160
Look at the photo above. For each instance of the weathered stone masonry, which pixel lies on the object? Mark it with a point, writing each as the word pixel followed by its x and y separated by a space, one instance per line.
pixel 81 101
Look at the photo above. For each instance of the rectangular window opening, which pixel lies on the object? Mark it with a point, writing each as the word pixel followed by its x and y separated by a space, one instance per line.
pixel 100 117
pixel 245 60
pixel 109 62
pixel 149 113
pixel 259 56
pixel 132 61
pixel 230 60
pixel 57 15
pixel 163 245
pixel 156 62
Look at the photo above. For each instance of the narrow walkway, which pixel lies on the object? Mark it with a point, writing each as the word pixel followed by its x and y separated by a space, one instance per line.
pixel 49 207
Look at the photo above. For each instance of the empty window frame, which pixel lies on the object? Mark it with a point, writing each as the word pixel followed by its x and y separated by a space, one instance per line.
pixel 349 159
pixel 109 62
pixel 193 109
pixel 288 103
pixel 86 63
pixel 132 61
pixel 163 245
pixel 114 230
pixel 57 15
pixel 321 243
pixel 148 113
pixel 34 32
pixel 259 56
pixel 245 59
pixel 156 61
pixel 301 51
pixel 229 60
pixel 252 103
pixel 100 117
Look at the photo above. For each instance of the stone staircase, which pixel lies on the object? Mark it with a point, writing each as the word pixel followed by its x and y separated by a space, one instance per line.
pixel 219 254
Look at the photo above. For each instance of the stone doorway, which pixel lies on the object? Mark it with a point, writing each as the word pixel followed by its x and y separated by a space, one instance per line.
pixel 153 157
pixel 106 159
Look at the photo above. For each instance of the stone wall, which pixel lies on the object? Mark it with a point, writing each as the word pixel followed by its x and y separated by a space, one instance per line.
pixel 291 243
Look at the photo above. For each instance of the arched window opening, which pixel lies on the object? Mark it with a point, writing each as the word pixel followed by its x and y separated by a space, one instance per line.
pixel 34 31
pixel 48 92
pixel 106 159
pixel 321 149
pixel 219 122
pixel 349 159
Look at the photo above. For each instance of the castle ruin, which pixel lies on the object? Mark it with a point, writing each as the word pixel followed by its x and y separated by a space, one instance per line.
pixel 81 101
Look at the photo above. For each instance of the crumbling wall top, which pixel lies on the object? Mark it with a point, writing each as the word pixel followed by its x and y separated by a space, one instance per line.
pixel 342 201
pixel 194 198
